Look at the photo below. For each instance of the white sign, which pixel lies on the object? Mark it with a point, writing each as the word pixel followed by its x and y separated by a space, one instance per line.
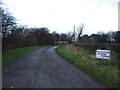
pixel 103 54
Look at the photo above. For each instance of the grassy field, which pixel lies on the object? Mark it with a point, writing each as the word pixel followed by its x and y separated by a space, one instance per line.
pixel 15 54
pixel 86 61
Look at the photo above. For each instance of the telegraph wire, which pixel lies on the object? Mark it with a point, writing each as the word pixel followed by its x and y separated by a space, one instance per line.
pixel 94 9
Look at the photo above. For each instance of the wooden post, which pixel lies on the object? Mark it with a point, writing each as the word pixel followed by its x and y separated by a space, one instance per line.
pixel 119 15
pixel 74 33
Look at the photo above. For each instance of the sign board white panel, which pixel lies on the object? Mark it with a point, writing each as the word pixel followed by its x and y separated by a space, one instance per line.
pixel 103 54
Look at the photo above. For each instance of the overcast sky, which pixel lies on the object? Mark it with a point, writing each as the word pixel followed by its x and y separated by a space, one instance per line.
pixel 61 15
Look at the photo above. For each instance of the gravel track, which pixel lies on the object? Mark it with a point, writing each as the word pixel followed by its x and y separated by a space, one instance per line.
pixel 44 68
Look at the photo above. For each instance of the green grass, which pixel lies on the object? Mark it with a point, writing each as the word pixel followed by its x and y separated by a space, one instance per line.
pixel 11 56
pixel 86 61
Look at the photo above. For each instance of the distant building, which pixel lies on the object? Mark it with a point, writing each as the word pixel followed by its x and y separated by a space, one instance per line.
pixel 61 42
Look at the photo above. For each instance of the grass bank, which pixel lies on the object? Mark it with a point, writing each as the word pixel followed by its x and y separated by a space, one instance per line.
pixel 86 61
pixel 11 56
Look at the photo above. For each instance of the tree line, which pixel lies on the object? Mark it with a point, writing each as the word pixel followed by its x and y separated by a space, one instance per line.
pixel 101 37
pixel 14 36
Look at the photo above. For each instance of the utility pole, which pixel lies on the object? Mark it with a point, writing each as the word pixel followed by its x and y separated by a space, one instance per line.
pixel 118 15
pixel 74 32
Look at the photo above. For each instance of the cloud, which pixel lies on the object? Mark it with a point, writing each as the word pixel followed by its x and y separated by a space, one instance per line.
pixel 61 15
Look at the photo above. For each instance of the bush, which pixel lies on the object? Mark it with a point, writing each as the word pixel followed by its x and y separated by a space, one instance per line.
pixel 93 46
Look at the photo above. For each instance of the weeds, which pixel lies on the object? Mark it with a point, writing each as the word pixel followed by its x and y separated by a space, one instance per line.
pixel 15 54
pixel 85 60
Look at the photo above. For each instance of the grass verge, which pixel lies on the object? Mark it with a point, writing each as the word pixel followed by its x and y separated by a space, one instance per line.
pixel 104 74
pixel 11 56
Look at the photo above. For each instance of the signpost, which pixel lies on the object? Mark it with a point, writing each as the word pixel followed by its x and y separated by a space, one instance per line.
pixel 102 54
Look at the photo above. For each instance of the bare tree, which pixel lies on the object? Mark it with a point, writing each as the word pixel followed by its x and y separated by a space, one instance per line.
pixel 80 31
pixel 8 22
pixel 111 36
